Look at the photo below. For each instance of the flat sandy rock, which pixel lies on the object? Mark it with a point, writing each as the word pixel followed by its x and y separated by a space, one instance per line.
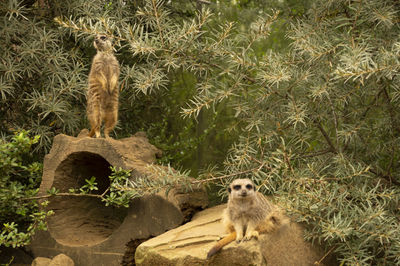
pixel 189 244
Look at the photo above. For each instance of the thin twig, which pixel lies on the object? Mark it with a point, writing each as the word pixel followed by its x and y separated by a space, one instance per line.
pixel 105 192
pixel 158 21
pixel 64 194
pixel 387 177
pixel 328 140
pixel 287 160
pixel 335 120
pixel 314 154
pixel 323 257
pixel 393 123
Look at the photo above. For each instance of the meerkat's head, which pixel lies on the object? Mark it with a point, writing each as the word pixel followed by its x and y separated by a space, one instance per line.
pixel 102 43
pixel 241 189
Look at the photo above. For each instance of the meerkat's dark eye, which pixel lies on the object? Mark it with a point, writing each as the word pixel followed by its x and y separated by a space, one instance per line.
pixel 103 38
pixel 237 187
pixel 249 186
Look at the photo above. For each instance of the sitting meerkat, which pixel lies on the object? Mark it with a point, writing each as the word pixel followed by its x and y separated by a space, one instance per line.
pixel 247 215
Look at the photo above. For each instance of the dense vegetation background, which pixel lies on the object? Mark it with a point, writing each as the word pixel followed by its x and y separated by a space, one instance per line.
pixel 301 96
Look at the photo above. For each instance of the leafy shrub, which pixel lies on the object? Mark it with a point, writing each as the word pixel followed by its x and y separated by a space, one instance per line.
pixel 20 217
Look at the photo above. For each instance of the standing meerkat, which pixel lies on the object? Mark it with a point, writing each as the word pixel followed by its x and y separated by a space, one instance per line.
pixel 102 98
pixel 247 215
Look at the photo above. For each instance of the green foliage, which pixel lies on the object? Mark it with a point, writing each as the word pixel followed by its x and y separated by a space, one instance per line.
pixel 20 218
pixel 319 125
pixel 46 51
pixel 91 185
pixel 161 178
pixel 116 196
pixel 245 12
pixel 123 187
pixel 42 76
pixel 159 116
pixel 165 45
pixel 43 71
pixel 113 195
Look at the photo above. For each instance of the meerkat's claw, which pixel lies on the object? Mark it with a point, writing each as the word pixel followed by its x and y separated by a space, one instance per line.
pixel 250 235
pixel 246 238
pixel 255 234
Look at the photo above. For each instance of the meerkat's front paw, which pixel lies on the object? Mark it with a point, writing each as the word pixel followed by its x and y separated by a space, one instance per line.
pixel 239 238
pixel 250 235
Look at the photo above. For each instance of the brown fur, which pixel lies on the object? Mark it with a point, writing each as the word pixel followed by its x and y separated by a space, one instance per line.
pixel 247 215
pixel 103 93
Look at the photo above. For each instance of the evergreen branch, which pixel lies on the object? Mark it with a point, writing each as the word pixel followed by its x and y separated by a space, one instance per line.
pixel 368 72
pixel 226 30
pixel 201 102
pixel 262 29
pixel 287 161
pixel 327 138
pixel 193 29
pixel 394 125
pixel 335 119
pixel 155 10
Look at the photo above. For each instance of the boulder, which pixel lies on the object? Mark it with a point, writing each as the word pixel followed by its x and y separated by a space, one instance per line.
pixel 41 261
pixel 84 228
pixel 61 260
pixel 189 244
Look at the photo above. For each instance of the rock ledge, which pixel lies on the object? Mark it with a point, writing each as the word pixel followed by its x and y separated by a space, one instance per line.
pixel 189 244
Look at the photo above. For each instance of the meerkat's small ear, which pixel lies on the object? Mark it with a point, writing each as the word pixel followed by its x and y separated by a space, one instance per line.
pixel 229 189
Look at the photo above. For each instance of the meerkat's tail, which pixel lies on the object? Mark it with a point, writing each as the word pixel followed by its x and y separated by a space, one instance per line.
pixel 220 244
